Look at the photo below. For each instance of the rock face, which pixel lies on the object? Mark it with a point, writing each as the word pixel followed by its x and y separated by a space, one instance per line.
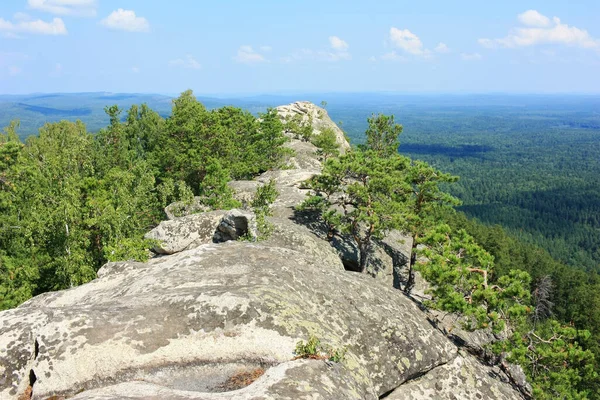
pixel 320 118
pixel 463 378
pixel 215 318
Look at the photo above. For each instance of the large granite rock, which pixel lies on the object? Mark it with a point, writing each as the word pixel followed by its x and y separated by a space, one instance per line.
pixel 320 119
pixel 194 319
pixel 464 378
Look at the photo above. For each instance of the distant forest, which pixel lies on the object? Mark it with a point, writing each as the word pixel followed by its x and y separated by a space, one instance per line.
pixel 530 164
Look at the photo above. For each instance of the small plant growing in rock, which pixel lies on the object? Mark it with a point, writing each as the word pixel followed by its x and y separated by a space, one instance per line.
pixel 263 198
pixel 313 349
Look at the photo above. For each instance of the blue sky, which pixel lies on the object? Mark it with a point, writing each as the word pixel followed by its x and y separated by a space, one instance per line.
pixel 274 46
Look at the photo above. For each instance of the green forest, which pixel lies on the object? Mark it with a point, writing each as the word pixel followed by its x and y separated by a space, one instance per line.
pixel 528 163
pixel 71 200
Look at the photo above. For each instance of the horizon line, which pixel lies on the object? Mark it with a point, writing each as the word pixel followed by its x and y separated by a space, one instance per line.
pixel 295 93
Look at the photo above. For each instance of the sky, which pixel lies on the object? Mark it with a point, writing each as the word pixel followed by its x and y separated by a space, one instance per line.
pixel 231 47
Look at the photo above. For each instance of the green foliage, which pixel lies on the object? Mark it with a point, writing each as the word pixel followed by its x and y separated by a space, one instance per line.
pixel 574 295
pixel 362 195
pixel 263 198
pixel 326 143
pixel 460 272
pixel 382 135
pixel 214 189
pixel 315 350
pixel 424 206
pixel 71 201
pixel 300 127
pixel 554 360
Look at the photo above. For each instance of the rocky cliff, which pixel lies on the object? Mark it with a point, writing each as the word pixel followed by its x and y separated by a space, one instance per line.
pixel 215 318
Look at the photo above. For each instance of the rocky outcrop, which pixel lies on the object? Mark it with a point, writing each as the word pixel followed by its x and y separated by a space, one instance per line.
pixel 217 318
pixel 464 378
pixel 186 324
pixel 320 119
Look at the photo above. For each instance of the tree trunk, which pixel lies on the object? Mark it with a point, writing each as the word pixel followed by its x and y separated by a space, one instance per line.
pixel 410 279
pixel 364 249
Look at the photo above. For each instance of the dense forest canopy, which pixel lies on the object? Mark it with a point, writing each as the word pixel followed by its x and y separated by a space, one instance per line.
pixel 71 201
pixel 528 163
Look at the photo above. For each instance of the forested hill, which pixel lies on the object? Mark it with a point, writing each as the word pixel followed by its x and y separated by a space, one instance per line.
pixel 528 163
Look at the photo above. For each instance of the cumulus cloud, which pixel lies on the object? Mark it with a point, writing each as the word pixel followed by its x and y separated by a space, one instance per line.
pixel 79 8
pixel 407 41
pixel 247 55
pixel 471 56
pixel 337 43
pixel 188 62
pixel 533 18
pixel 126 20
pixel 38 27
pixel 538 29
pixel 442 48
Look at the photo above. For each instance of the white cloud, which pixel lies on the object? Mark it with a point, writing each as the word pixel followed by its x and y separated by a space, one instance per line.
pixel 487 43
pixel 247 55
pixel 406 40
pixel 39 27
pixel 471 56
pixel 540 30
pixel 79 8
pixel 533 18
pixel 442 48
pixel 188 62
pixel 126 20
pixel 320 55
pixel 338 44
pixel 135 70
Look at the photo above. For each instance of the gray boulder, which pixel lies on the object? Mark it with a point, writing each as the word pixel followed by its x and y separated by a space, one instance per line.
pixel 320 119
pixel 187 325
pixel 181 208
pixel 202 314
pixel 191 231
pixel 186 232
pixel 236 224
